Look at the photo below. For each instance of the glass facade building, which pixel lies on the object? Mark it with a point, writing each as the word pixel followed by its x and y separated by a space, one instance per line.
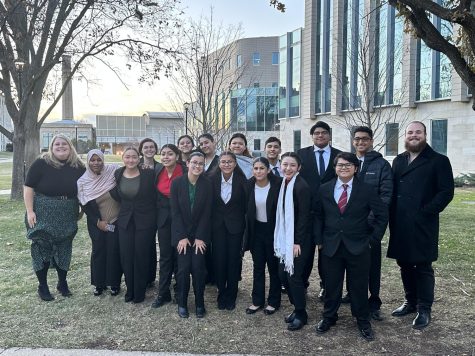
pixel 289 74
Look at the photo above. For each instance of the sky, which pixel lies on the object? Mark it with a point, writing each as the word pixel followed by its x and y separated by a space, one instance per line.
pixel 108 96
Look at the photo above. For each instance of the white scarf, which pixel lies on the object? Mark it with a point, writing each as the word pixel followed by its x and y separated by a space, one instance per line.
pixel 284 226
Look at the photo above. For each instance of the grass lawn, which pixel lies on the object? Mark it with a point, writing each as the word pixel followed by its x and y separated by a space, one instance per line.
pixel 85 321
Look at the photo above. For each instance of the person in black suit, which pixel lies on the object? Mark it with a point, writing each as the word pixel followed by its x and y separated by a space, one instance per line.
pixel 191 199
pixel 228 224
pixel 292 238
pixel 263 190
pixel 423 187
pixel 317 168
pixel 166 172
pixel 136 222
pixel 273 148
pixel 342 231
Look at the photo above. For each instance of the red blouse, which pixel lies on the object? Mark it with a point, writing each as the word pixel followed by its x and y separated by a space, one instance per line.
pixel 164 183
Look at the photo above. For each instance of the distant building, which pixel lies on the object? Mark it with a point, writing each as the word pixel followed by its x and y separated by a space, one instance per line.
pixel 82 134
pixel 6 122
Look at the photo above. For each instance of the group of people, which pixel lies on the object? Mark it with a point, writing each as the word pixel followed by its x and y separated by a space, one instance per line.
pixel 207 209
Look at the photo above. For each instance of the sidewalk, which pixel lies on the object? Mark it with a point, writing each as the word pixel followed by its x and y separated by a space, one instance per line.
pixel 17 351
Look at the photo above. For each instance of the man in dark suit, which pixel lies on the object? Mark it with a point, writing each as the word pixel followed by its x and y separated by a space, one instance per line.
pixel 317 168
pixel 375 171
pixel 273 149
pixel 343 233
pixel 423 187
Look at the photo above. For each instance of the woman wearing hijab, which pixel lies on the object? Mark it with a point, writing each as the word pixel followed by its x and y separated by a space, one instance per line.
pixel 238 146
pixel 102 211
pixel 292 239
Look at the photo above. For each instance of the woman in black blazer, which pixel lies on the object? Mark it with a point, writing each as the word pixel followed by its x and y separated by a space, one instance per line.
pixel 166 172
pixel 136 222
pixel 228 223
pixel 263 190
pixel 191 212
pixel 292 238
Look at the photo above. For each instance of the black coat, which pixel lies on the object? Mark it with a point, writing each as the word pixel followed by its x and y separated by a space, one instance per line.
pixel 232 214
pixel 163 202
pixel 271 207
pixel 309 170
pixel 422 190
pixel 186 222
pixel 142 208
pixel 377 173
pixel 352 227
pixel 212 166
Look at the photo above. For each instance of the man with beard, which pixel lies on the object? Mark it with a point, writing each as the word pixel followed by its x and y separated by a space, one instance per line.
pixel 423 187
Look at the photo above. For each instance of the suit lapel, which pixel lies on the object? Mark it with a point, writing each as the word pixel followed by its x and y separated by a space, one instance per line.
pixel 186 197
pixel 312 158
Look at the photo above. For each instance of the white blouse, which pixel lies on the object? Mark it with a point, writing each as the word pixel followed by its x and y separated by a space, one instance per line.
pixel 261 198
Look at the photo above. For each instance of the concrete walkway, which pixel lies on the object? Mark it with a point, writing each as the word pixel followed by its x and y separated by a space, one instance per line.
pixel 16 351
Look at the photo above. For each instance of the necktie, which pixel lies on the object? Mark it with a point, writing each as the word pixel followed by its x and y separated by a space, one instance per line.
pixel 343 199
pixel 275 170
pixel 321 163
pixel 361 166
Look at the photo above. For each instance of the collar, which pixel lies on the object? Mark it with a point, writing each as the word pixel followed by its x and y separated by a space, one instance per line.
pixel 326 148
pixel 276 165
pixel 229 181
pixel 339 183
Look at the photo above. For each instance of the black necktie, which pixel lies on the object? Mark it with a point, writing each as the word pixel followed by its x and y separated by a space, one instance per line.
pixel 276 171
pixel 361 166
pixel 321 163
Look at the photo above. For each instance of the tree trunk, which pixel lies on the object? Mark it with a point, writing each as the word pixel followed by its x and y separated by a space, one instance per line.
pixel 26 147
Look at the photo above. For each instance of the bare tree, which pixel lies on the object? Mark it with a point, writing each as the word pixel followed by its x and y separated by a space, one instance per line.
pixel 209 71
pixel 37 33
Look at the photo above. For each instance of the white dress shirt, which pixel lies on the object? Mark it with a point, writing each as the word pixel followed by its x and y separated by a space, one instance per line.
pixel 277 165
pixel 338 191
pixel 226 188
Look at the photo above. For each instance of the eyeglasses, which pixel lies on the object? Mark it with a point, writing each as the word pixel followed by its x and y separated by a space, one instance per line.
pixel 344 165
pixel 320 133
pixel 226 163
pixel 363 139
pixel 197 164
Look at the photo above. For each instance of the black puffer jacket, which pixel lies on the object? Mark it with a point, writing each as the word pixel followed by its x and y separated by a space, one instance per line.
pixel 377 172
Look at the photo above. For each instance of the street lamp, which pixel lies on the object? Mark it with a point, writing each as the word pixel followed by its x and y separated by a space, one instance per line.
pixel 186 106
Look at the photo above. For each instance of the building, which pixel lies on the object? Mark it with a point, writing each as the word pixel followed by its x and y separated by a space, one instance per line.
pixel 356 62
pixel 5 122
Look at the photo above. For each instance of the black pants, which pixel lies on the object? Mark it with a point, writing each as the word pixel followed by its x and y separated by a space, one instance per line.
pixel 135 257
pixel 357 271
pixel 295 283
pixel 419 283
pixel 210 278
pixel 106 269
pixel 191 263
pixel 227 264
pixel 152 273
pixel 262 251
pixel 168 259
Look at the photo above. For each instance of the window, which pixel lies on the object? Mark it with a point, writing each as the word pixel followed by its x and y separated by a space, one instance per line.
pixel 256 85
pixel 257 144
pixel 439 136
pixel 238 60
pixel 275 58
pixel 256 58
pixel 297 140
pixel 275 85
pixel 392 138
pixel 324 63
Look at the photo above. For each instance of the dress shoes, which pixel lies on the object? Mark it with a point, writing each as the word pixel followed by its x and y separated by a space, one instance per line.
pixel 422 320
pixel 283 290
pixel 250 310
pixel 404 309
pixel 128 298
pixel 346 299
pixel 290 318
pixel 98 291
pixel 63 288
pixel 270 311
pixel 183 312
pixel 376 315
pixel 115 291
pixel 200 312
pixel 296 324
pixel 161 301
pixel 44 293
pixel 324 325
pixel 367 333
pixel 321 294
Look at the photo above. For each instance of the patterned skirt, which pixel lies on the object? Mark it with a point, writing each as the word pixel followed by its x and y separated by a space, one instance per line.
pixel 52 236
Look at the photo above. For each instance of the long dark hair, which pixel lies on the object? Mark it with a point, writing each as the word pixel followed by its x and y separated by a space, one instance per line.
pixel 243 137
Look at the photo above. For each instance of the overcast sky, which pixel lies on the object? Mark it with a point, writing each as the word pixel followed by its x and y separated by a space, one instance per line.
pixel 109 96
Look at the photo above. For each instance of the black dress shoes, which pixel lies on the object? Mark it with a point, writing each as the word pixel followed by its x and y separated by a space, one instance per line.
pixel 98 291
pixel 346 299
pixel 367 333
pixel 324 325
pixel 404 309
pixel 321 294
pixel 376 315
pixel 250 310
pixel 422 320
pixel 115 291
pixel 290 318
pixel 161 301
pixel 183 312
pixel 268 311
pixel 44 293
pixel 296 324
pixel 200 312
pixel 63 288
pixel 128 298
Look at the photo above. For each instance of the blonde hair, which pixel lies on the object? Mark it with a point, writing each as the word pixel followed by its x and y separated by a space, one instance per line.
pixel 73 159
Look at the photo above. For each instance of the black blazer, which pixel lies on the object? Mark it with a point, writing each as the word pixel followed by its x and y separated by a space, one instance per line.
pixel 163 202
pixel 271 207
pixel 186 222
pixel 232 214
pixel 309 170
pixel 352 227
pixel 142 209
pixel 212 166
